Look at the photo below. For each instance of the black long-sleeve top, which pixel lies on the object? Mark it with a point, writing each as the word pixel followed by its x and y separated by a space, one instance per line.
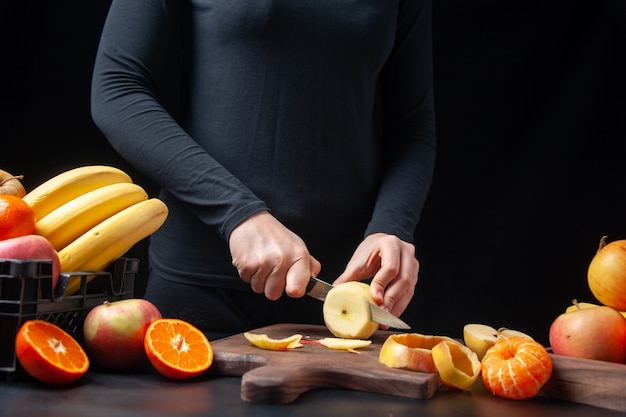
pixel 320 111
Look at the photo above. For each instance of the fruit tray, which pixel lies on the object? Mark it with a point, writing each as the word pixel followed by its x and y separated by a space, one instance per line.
pixel 26 293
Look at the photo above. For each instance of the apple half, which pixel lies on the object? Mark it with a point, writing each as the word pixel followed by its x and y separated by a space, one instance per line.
pixel 480 337
pixel 347 313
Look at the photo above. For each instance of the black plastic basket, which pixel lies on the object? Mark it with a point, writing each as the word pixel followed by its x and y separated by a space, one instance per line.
pixel 26 293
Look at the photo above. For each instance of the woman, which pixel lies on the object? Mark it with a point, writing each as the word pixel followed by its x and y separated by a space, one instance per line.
pixel 289 139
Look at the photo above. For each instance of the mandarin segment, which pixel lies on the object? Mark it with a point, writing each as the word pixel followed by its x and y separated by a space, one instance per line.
pixel 49 354
pixel 516 368
pixel 177 349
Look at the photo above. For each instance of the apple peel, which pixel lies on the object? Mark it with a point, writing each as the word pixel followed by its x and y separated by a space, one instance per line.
pixel 458 366
pixel 263 341
pixel 411 351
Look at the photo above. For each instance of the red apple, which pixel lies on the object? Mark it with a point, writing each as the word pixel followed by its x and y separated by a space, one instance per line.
pixel 114 333
pixel 591 333
pixel 32 247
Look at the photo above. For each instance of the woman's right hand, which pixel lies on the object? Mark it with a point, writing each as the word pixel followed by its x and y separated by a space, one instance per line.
pixel 271 257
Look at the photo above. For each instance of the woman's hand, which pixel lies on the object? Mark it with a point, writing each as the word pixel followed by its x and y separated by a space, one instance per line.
pixel 271 258
pixel 392 264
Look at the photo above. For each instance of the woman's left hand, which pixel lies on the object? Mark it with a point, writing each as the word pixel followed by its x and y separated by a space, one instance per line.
pixel 392 264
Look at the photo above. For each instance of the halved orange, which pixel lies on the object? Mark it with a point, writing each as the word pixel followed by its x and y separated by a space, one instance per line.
pixel 516 368
pixel 49 354
pixel 177 349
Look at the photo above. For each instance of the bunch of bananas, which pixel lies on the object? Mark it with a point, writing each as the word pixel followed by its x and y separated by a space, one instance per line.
pixel 93 215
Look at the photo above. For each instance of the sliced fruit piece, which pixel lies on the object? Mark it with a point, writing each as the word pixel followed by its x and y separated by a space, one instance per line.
pixel 263 341
pixel 344 344
pixel 49 354
pixel 480 337
pixel 410 351
pixel 177 349
pixel 457 365
pixel 503 333
pixel 347 312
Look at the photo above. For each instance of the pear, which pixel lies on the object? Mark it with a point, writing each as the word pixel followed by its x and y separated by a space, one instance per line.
pixel 347 313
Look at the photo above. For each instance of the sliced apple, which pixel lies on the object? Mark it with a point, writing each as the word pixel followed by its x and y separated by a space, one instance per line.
pixel 480 337
pixel 347 313
pixel 344 344
pixel 504 333
pixel 410 351
pixel 263 341
pixel 458 366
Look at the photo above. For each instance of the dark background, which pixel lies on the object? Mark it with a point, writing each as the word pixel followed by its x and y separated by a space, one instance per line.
pixel 531 120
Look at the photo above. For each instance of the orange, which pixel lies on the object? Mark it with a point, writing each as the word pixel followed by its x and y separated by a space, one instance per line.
pixel 516 368
pixel 49 354
pixel 17 218
pixel 177 349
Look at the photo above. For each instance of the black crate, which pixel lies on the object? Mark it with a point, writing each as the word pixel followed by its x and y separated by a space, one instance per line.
pixel 26 293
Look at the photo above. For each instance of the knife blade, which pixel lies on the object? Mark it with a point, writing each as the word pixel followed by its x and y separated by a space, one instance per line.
pixel 318 289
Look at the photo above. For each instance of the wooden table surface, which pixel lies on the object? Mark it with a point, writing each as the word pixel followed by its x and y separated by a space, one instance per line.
pixel 146 394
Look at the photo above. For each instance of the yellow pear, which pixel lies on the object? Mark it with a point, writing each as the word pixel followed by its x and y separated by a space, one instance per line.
pixel 577 305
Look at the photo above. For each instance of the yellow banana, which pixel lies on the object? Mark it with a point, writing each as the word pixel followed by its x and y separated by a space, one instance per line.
pixel 69 221
pixel 70 184
pixel 111 239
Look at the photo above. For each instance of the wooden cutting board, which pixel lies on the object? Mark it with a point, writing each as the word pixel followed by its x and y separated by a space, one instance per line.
pixel 585 381
pixel 281 376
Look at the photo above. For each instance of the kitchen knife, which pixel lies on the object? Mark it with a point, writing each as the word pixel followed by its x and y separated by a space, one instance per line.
pixel 318 290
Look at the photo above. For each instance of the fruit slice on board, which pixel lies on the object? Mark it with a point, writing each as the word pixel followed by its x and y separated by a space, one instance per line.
pixel 344 344
pixel 177 349
pixel 49 354
pixel 516 368
pixel 263 341
pixel 458 365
